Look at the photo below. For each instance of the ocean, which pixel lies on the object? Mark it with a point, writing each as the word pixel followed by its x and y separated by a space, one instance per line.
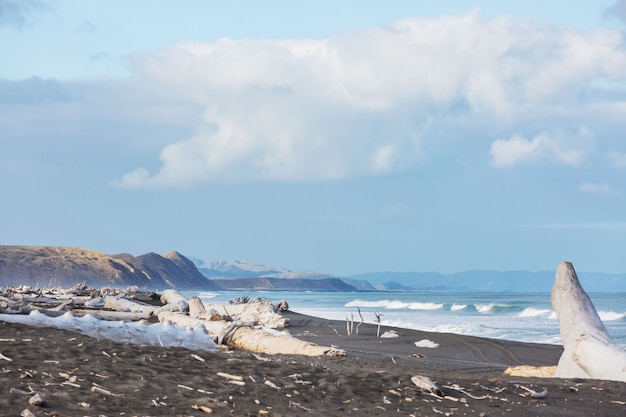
pixel 524 317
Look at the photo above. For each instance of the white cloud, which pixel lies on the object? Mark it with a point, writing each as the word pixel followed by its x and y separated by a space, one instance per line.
pixel 518 149
pixel 599 188
pixel 508 152
pixel 353 104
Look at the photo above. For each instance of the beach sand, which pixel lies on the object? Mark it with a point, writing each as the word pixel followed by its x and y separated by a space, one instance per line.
pixel 81 376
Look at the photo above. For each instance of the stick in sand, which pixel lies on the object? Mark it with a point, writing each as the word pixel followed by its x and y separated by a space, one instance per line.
pixel 378 316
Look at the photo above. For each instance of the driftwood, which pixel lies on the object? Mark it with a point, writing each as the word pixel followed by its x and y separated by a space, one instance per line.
pixel 226 332
pixel 247 324
pixel 531 371
pixel 261 312
pixel 176 300
pixel 115 315
pixel 102 391
pixel 196 308
pixel 180 319
pixel 244 335
pixel 8 301
pixel 118 303
pixel 378 319
pixel 426 385
pixel 27 413
pixel 258 340
pixel 588 350
pixel 36 400
pixel 534 394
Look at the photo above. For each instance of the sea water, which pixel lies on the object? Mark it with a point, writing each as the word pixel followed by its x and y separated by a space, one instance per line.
pixel 524 317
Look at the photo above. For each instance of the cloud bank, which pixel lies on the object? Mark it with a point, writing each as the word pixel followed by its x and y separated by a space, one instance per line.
pixel 365 102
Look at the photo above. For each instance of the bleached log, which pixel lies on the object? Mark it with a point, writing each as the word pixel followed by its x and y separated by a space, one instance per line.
pixel 534 394
pixel 531 371
pixel 258 340
pixel 230 376
pixel 202 408
pixel 36 400
pixel 115 315
pixel 102 391
pixel 45 311
pixel 17 391
pixel 8 301
pixel 259 313
pixel 179 319
pixel 588 349
pixel 62 306
pixel 426 385
pixel 97 302
pixel 27 413
pixel 175 299
pixel 196 308
pixel 243 336
pixel 282 305
pixel 124 304
pixel 225 333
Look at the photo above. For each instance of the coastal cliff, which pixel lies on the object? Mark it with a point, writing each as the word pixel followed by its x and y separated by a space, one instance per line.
pixel 55 266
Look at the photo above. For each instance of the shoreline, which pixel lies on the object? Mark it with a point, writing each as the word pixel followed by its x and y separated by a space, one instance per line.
pixel 81 376
pixel 454 350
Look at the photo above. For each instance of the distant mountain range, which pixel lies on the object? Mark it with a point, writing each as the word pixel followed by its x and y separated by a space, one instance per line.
pixel 245 269
pixel 53 266
pixel 473 280
pixel 488 280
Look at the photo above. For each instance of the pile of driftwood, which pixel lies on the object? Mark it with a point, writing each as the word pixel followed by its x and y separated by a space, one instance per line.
pixel 247 324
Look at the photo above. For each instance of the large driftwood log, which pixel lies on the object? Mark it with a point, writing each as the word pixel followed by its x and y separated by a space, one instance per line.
pixel 115 315
pixel 175 300
pixel 258 340
pixel 588 350
pixel 257 312
pixel 244 336
pixel 124 304
pixel 179 319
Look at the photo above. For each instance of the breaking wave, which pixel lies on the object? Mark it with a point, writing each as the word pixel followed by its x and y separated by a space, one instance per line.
pixel 493 308
pixel 538 312
pixel 394 305
pixel 611 316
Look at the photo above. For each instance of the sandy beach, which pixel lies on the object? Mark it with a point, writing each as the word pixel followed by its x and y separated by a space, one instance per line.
pixel 82 376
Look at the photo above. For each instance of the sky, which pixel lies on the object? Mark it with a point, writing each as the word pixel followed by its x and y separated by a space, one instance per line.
pixel 340 137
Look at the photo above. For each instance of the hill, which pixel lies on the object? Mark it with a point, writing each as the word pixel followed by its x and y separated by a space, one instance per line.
pixel 55 266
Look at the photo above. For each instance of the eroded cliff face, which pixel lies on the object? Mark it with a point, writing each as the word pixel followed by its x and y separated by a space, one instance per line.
pixel 55 266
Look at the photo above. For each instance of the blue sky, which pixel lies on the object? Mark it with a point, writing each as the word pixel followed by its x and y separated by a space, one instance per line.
pixel 342 137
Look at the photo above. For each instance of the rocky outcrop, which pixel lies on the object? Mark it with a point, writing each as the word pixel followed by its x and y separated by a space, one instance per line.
pixel 55 266
pixel 171 270
pixel 588 350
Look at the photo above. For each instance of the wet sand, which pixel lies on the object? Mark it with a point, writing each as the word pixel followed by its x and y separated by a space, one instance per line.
pixel 81 376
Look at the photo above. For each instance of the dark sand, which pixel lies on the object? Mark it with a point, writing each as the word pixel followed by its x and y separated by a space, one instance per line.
pixel 374 379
